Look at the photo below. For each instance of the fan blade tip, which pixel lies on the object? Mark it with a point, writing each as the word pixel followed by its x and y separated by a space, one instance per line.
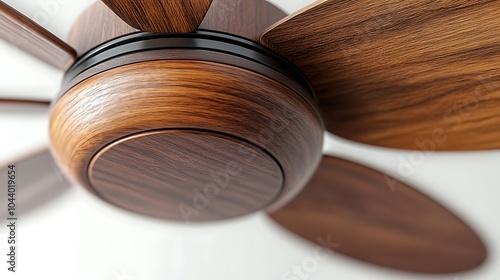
pixel 351 205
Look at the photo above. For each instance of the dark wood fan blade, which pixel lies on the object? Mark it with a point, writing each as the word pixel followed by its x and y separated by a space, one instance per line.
pixel 401 74
pixel 24 33
pixel 23 102
pixel 246 18
pixel 38 181
pixel 170 16
pixel 358 212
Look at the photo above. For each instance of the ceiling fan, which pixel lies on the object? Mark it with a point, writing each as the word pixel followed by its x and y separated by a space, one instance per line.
pixel 205 110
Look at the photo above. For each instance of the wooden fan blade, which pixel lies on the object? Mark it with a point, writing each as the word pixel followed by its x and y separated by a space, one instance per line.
pixel 169 16
pixel 24 33
pixel 401 74
pixel 38 181
pixel 23 102
pixel 246 18
pixel 358 212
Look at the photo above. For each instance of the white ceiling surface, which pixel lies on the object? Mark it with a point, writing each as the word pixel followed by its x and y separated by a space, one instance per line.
pixel 79 237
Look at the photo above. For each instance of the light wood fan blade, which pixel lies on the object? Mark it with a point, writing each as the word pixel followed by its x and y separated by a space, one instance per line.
pixel 358 212
pixel 38 181
pixel 24 33
pixel 169 16
pixel 404 74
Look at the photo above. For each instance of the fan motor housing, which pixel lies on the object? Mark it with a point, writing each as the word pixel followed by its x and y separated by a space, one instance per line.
pixel 188 127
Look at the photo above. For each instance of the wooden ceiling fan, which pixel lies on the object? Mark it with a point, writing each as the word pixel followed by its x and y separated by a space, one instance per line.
pixel 206 110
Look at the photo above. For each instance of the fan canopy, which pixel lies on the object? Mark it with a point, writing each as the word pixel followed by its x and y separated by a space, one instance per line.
pixel 187 127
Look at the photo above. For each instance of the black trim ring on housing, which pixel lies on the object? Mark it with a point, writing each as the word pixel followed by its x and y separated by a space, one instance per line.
pixel 200 40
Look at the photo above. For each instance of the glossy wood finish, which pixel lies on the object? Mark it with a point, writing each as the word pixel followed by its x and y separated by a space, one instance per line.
pixel 170 16
pixel 95 26
pixel 188 94
pixel 356 212
pixel 246 18
pixel 39 182
pixel 24 33
pixel 189 54
pixel 186 175
pixel 402 74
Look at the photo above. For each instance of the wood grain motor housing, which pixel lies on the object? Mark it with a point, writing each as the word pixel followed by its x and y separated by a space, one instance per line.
pixel 246 18
pixel 187 134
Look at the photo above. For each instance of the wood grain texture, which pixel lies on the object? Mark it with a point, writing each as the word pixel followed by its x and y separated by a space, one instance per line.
pixel 24 102
pixel 354 211
pixel 185 175
pixel 34 39
pixel 189 54
pixel 402 74
pixel 246 18
pixel 187 94
pixel 169 16
pixel 96 25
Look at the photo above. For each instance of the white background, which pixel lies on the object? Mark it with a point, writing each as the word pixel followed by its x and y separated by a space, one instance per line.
pixel 79 237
